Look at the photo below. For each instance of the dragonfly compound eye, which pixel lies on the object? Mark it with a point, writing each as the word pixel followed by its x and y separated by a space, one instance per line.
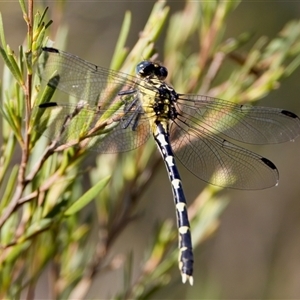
pixel 148 69
pixel 145 68
pixel 161 72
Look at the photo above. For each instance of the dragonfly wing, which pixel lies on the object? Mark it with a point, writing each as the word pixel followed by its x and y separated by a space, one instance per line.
pixel 125 139
pixel 245 123
pixel 83 80
pixel 107 100
pixel 219 162
pixel 72 125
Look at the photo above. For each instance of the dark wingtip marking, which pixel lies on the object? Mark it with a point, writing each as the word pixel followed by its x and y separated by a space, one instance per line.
pixel 49 49
pixel 289 114
pixel 48 104
pixel 269 163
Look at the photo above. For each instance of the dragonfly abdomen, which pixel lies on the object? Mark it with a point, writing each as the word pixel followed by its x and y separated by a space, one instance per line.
pixel 185 241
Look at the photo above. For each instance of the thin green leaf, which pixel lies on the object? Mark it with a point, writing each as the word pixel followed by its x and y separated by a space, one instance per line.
pixel 6 113
pixel 145 45
pixel 11 63
pixel 2 35
pixel 39 40
pixel 21 62
pixel 23 7
pixel 17 71
pixel 35 228
pixel 42 16
pixel 13 120
pixel 120 50
pixel 292 66
pixel 10 185
pixel 16 252
pixel 28 60
pixel 87 197
pixel 36 23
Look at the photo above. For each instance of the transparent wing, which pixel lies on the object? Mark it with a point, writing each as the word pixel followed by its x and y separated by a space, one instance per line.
pixel 245 123
pixel 220 162
pixel 105 97
pixel 109 100
pixel 71 125
pixel 83 80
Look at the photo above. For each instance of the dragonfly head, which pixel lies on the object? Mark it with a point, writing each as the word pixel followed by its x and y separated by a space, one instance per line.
pixel 149 69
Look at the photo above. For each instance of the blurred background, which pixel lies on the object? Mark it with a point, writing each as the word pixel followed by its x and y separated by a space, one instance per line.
pixel 254 254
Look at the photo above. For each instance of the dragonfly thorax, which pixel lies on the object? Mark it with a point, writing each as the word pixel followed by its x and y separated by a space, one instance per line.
pixel 164 96
pixel 164 104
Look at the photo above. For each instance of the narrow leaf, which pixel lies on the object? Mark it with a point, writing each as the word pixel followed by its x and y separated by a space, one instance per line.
pixel 120 50
pixel 35 229
pixel 11 63
pixel 23 7
pixel 87 197
pixel 2 35
pixel 10 185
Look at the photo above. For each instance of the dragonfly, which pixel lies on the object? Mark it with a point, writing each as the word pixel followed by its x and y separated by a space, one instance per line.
pixel 116 112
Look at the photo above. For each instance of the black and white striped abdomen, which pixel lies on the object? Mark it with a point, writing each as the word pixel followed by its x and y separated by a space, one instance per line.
pixel 185 241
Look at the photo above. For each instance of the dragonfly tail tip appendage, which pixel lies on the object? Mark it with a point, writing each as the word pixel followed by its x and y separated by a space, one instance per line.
pixel 186 278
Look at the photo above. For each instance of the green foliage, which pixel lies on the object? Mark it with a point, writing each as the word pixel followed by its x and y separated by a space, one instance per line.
pixel 87 197
pixel 42 195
